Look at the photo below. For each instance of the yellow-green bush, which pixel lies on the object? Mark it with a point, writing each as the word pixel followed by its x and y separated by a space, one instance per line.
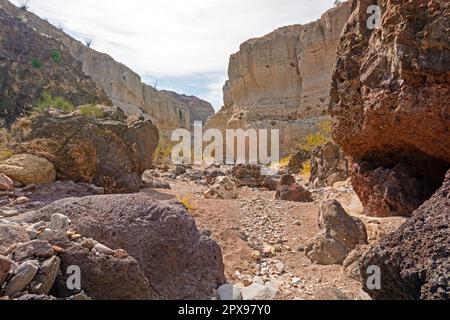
pixel 5 139
pixel 163 152
pixel 189 207
pixel 90 110
pixel 47 101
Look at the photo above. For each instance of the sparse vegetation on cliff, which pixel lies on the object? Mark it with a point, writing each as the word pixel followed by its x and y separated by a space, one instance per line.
pixel 47 102
pixel 90 110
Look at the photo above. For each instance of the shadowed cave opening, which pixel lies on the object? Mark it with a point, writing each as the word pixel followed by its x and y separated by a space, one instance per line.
pixel 398 183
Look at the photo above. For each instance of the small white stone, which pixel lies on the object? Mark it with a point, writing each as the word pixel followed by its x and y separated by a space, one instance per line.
pixel 59 222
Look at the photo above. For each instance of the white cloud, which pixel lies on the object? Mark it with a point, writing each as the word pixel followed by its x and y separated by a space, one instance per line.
pixel 175 38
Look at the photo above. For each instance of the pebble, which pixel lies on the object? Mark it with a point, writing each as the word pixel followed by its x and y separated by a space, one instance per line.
pixel 120 253
pixel 101 248
pixel 59 222
pixel 21 200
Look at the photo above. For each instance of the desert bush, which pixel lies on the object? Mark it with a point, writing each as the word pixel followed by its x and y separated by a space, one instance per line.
pixel 56 56
pixel 36 63
pixel 306 170
pixel 314 140
pixel 47 102
pixel 189 207
pixel 90 110
pixel 5 139
pixel 163 152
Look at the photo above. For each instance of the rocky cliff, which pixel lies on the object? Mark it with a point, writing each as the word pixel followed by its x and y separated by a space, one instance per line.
pixel 390 103
pixel 199 110
pixel 122 86
pixel 31 63
pixel 283 79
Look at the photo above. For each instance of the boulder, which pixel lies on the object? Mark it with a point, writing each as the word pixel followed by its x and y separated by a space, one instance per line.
pixel 6 184
pixel 152 182
pixel 351 263
pixel 229 292
pixel 224 188
pixel 34 248
pixel 328 166
pixel 106 151
pixel 178 262
pixel 247 175
pixel 340 234
pixel 414 260
pixel 22 277
pixel 59 222
pixel 28 169
pixel 46 276
pixel 297 161
pixel 5 265
pixel 289 190
pixel 11 234
pixel 48 193
pixel 271 183
pixel 387 97
pixel 104 277
pixel 258 291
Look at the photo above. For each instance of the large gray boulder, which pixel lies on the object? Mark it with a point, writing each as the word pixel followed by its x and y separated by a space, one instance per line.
pixel 340 233
pixel 177 260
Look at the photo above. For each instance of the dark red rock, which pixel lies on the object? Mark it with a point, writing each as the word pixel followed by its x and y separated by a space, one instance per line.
pixel 415 260
pixel 177 260
pixel 390 101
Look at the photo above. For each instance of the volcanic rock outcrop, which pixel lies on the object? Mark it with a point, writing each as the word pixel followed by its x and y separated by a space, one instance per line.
pixel 177 260
pixel 390 103
pixel 415 260
pixel 106 151
pixel 282 80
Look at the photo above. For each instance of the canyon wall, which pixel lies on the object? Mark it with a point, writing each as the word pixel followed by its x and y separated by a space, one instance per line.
pixel 123 86
pixel 30 64
pixel 282 80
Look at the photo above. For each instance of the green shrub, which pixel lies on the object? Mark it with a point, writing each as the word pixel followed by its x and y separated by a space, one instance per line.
pixel 47 101
pixel 90 110
pixel 163 152
pixel 56 56
pixel 36 63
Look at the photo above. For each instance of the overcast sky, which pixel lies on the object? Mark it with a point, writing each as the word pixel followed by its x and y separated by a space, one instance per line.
pixel 184 45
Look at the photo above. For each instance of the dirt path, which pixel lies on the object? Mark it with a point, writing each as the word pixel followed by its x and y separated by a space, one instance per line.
pixel 256 225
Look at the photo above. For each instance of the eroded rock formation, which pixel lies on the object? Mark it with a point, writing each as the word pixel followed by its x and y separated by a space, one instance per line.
pixel 106 151
pixel 282 80
pixel 390 103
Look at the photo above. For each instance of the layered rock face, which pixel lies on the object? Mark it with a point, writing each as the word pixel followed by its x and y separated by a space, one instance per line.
pixel 106 151
pixel 199 110
pixel 122 86
pixel 414 261
pixel 31 63
pixel 390 103
pixel 282 80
